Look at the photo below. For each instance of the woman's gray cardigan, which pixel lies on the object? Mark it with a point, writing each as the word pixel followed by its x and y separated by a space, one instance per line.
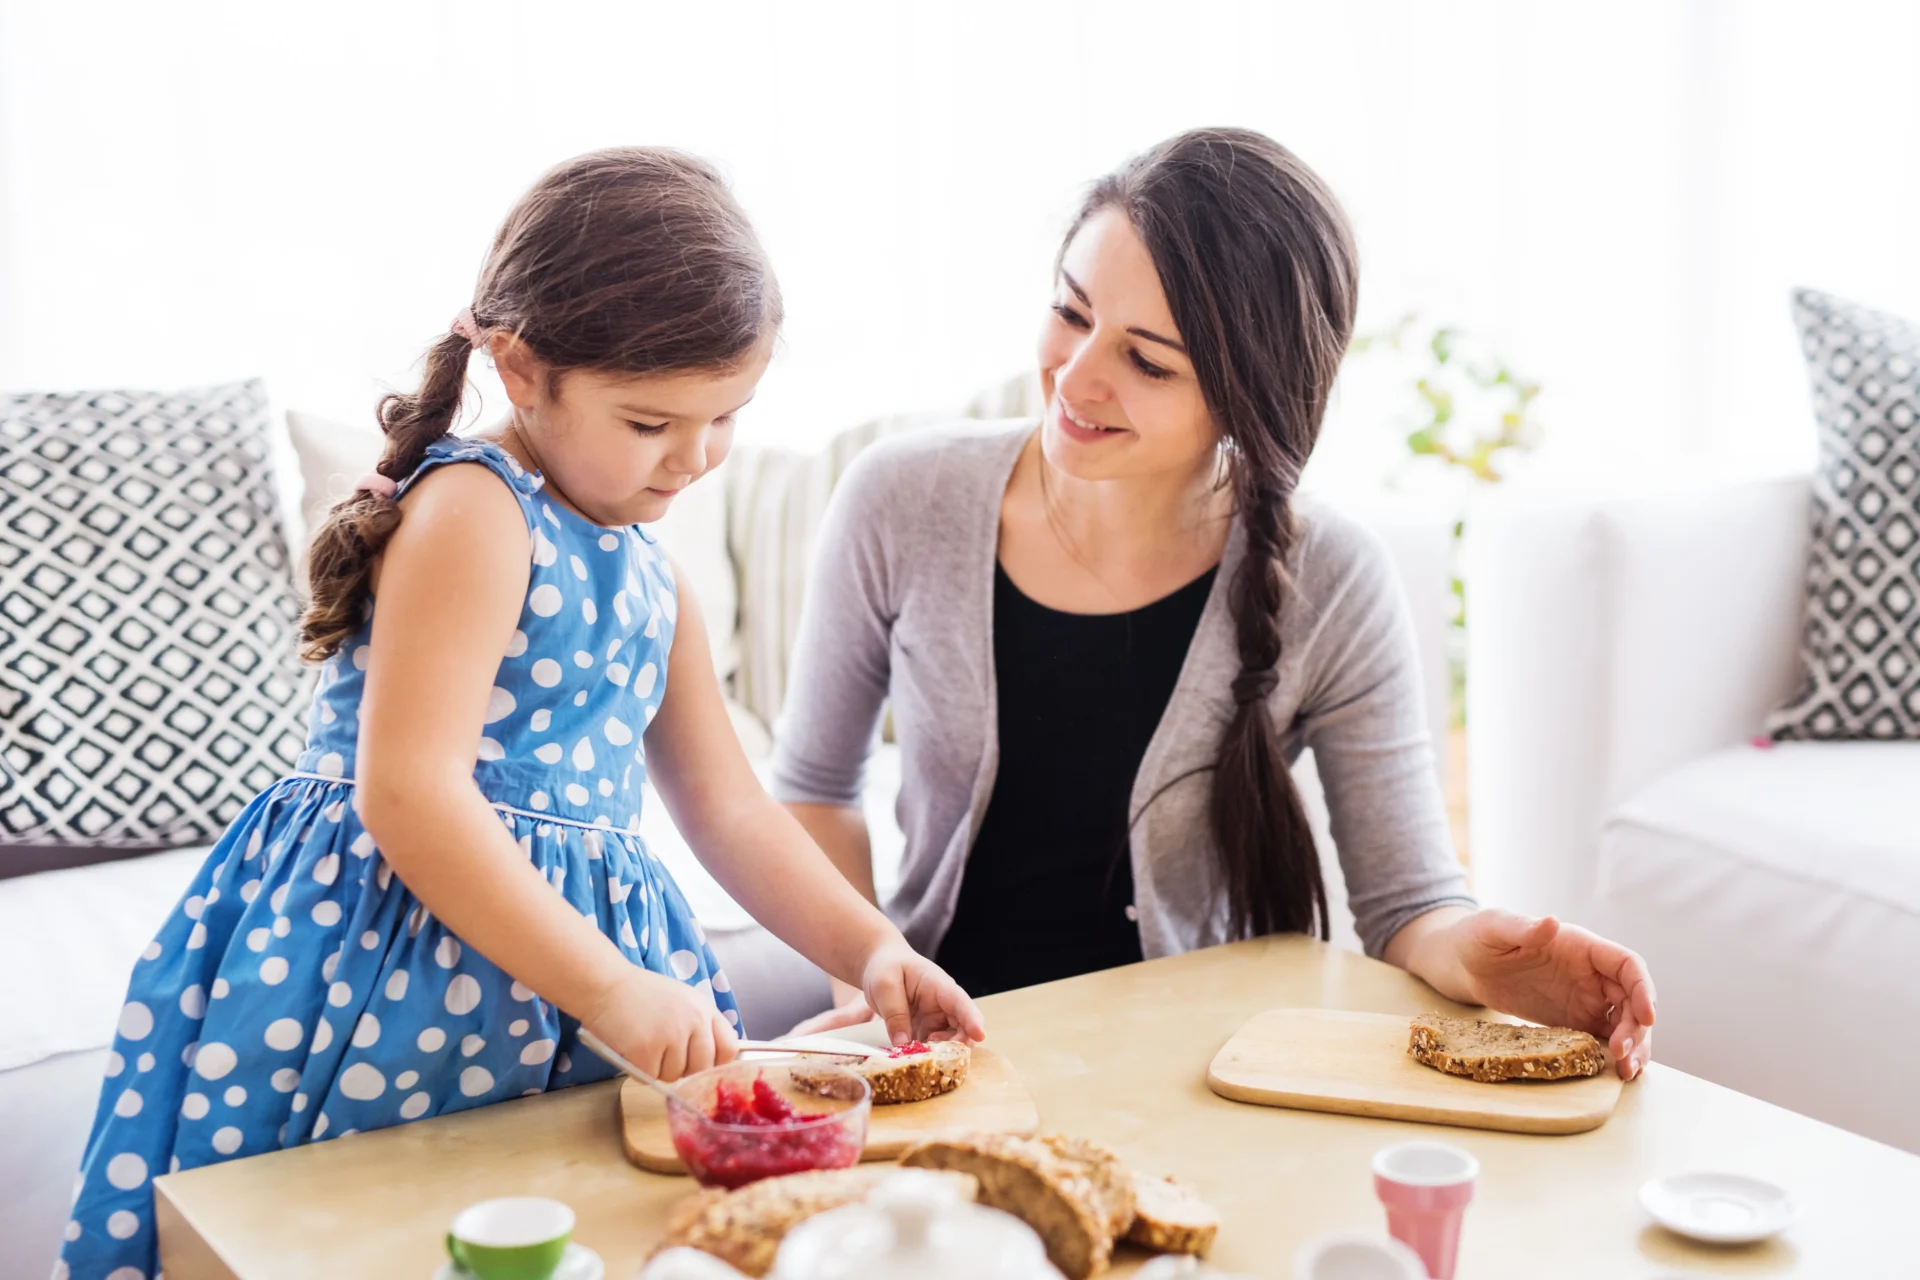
pixel 900 607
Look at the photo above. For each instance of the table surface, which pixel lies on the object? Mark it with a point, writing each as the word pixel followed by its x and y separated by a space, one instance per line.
pixel 1119 1056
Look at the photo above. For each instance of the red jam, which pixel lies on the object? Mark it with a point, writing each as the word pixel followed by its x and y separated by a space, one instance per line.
pixel 909 1049
pixel 761 1108
pixel 765 1139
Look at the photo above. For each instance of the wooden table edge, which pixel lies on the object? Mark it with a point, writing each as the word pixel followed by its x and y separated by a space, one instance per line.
pixel 181 1243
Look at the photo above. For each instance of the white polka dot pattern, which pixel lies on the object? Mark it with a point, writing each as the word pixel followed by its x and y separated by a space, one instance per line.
pixel 301 992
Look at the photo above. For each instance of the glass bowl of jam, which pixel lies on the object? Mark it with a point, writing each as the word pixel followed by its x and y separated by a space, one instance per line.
pixel 750 1120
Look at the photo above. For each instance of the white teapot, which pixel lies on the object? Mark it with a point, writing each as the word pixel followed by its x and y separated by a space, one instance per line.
pixel 914 1226
pixel 682 1263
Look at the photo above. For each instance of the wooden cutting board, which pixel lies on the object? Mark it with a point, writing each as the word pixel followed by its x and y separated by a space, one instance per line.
pixel 1357 1064
pixel 992 1101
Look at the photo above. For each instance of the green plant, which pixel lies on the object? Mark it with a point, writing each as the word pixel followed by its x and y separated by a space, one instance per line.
pixel 1469 406
pixel 1469 413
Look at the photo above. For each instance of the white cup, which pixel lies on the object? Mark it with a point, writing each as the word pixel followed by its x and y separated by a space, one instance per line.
pixel 1352 1255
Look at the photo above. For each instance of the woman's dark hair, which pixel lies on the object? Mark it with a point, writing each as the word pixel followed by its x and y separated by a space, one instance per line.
pixel 1260 273
pixel 632 260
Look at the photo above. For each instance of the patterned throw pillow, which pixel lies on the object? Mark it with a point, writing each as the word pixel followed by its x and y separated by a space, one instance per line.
pixel 148 682
pixel 1860 644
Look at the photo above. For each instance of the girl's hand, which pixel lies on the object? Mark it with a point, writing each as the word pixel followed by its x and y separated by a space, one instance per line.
pixel 915 997
pixel 662 1026
pixel 1560 975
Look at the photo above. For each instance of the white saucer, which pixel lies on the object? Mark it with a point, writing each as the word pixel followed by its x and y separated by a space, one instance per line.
pixel 577 1263
pixel 1719 1208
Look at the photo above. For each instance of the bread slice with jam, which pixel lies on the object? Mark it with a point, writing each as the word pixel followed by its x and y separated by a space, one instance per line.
pixel 911 1072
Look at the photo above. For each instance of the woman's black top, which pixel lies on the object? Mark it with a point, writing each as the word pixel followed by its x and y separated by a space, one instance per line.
pixel 1048 889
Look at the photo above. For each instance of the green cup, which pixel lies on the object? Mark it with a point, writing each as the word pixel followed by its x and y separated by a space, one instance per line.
pixel 518 1238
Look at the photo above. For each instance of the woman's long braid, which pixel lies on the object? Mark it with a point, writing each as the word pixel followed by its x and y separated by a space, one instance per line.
pixel 1260 273
pixel 1282 892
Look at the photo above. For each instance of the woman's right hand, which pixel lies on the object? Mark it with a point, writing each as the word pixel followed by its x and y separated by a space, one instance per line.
pixel 662 1026
pixel 850 1009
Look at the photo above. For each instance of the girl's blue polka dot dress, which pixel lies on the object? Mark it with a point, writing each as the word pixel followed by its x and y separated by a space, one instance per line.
pixel 300 992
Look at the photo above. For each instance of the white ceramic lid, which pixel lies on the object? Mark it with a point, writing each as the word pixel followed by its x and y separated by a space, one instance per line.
pixel 682 1263
pixel 1178 1266
pixel 913 1227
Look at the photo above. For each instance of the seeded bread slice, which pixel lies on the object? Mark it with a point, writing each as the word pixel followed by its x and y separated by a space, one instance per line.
pixel 912 1078
pixel 1076 1194
pixel 744 1228
pixel 1492 1052
pixel 1169 1218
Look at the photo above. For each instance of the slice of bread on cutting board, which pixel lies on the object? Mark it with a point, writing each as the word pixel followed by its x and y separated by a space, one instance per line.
pixel 744 1228
pixel 1170 1218
pixel 910 1077
pixel 1492 1052
pixel 1076 1194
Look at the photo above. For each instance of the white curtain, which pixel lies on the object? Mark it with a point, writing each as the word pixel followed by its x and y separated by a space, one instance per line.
pixel 1618 196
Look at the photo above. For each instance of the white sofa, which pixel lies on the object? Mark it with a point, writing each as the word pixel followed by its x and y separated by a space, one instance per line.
pixel 1622 656
pixel 743 545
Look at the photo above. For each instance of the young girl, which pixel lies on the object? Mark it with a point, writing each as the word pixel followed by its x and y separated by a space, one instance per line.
pixel 420 919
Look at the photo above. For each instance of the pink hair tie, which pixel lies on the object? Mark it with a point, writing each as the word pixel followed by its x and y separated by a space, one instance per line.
pixel 375 483
pixel 467 327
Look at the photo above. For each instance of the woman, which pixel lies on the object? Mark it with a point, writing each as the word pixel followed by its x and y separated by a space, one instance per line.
pixel 1103 641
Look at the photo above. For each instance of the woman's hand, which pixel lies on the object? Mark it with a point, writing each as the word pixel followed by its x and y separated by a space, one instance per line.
pixel 1557 974
pixel 662 1026
pixel 854 1011
pixel 850 1009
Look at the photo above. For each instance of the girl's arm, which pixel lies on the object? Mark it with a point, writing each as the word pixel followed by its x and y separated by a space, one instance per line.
pixel 763 857
pixel 451 583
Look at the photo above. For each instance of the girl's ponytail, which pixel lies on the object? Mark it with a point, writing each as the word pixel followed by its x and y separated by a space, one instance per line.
pixel 341 557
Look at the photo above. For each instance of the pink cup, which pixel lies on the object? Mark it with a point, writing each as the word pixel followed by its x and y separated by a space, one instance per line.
pixel 1426 1187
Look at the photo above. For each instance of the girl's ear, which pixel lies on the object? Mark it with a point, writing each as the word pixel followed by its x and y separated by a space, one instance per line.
pixel 521 373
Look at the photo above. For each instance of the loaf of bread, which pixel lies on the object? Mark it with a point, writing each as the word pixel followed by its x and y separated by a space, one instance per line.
pixel 1168 1218
pixel 1495 1051
pixel 744 1228
pixel 909 1077
pixel 1076 1194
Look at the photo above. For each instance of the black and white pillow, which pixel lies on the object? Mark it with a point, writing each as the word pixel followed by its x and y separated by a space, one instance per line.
pixel 1860 644
pixel 148 680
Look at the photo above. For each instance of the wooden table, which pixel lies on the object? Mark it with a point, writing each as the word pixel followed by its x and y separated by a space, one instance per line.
pixel 1121 1057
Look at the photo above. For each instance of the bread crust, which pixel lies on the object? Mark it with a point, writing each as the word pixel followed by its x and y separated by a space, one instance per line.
pixel 911 1079
pixel 1170 1218
pixel 1495 1052
pixel 1075 1194
pixel 744 1227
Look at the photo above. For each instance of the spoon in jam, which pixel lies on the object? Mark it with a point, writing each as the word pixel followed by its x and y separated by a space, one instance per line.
pixel 601 1047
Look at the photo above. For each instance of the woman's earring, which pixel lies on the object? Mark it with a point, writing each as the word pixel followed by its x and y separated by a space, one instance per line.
pixel 1223 463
